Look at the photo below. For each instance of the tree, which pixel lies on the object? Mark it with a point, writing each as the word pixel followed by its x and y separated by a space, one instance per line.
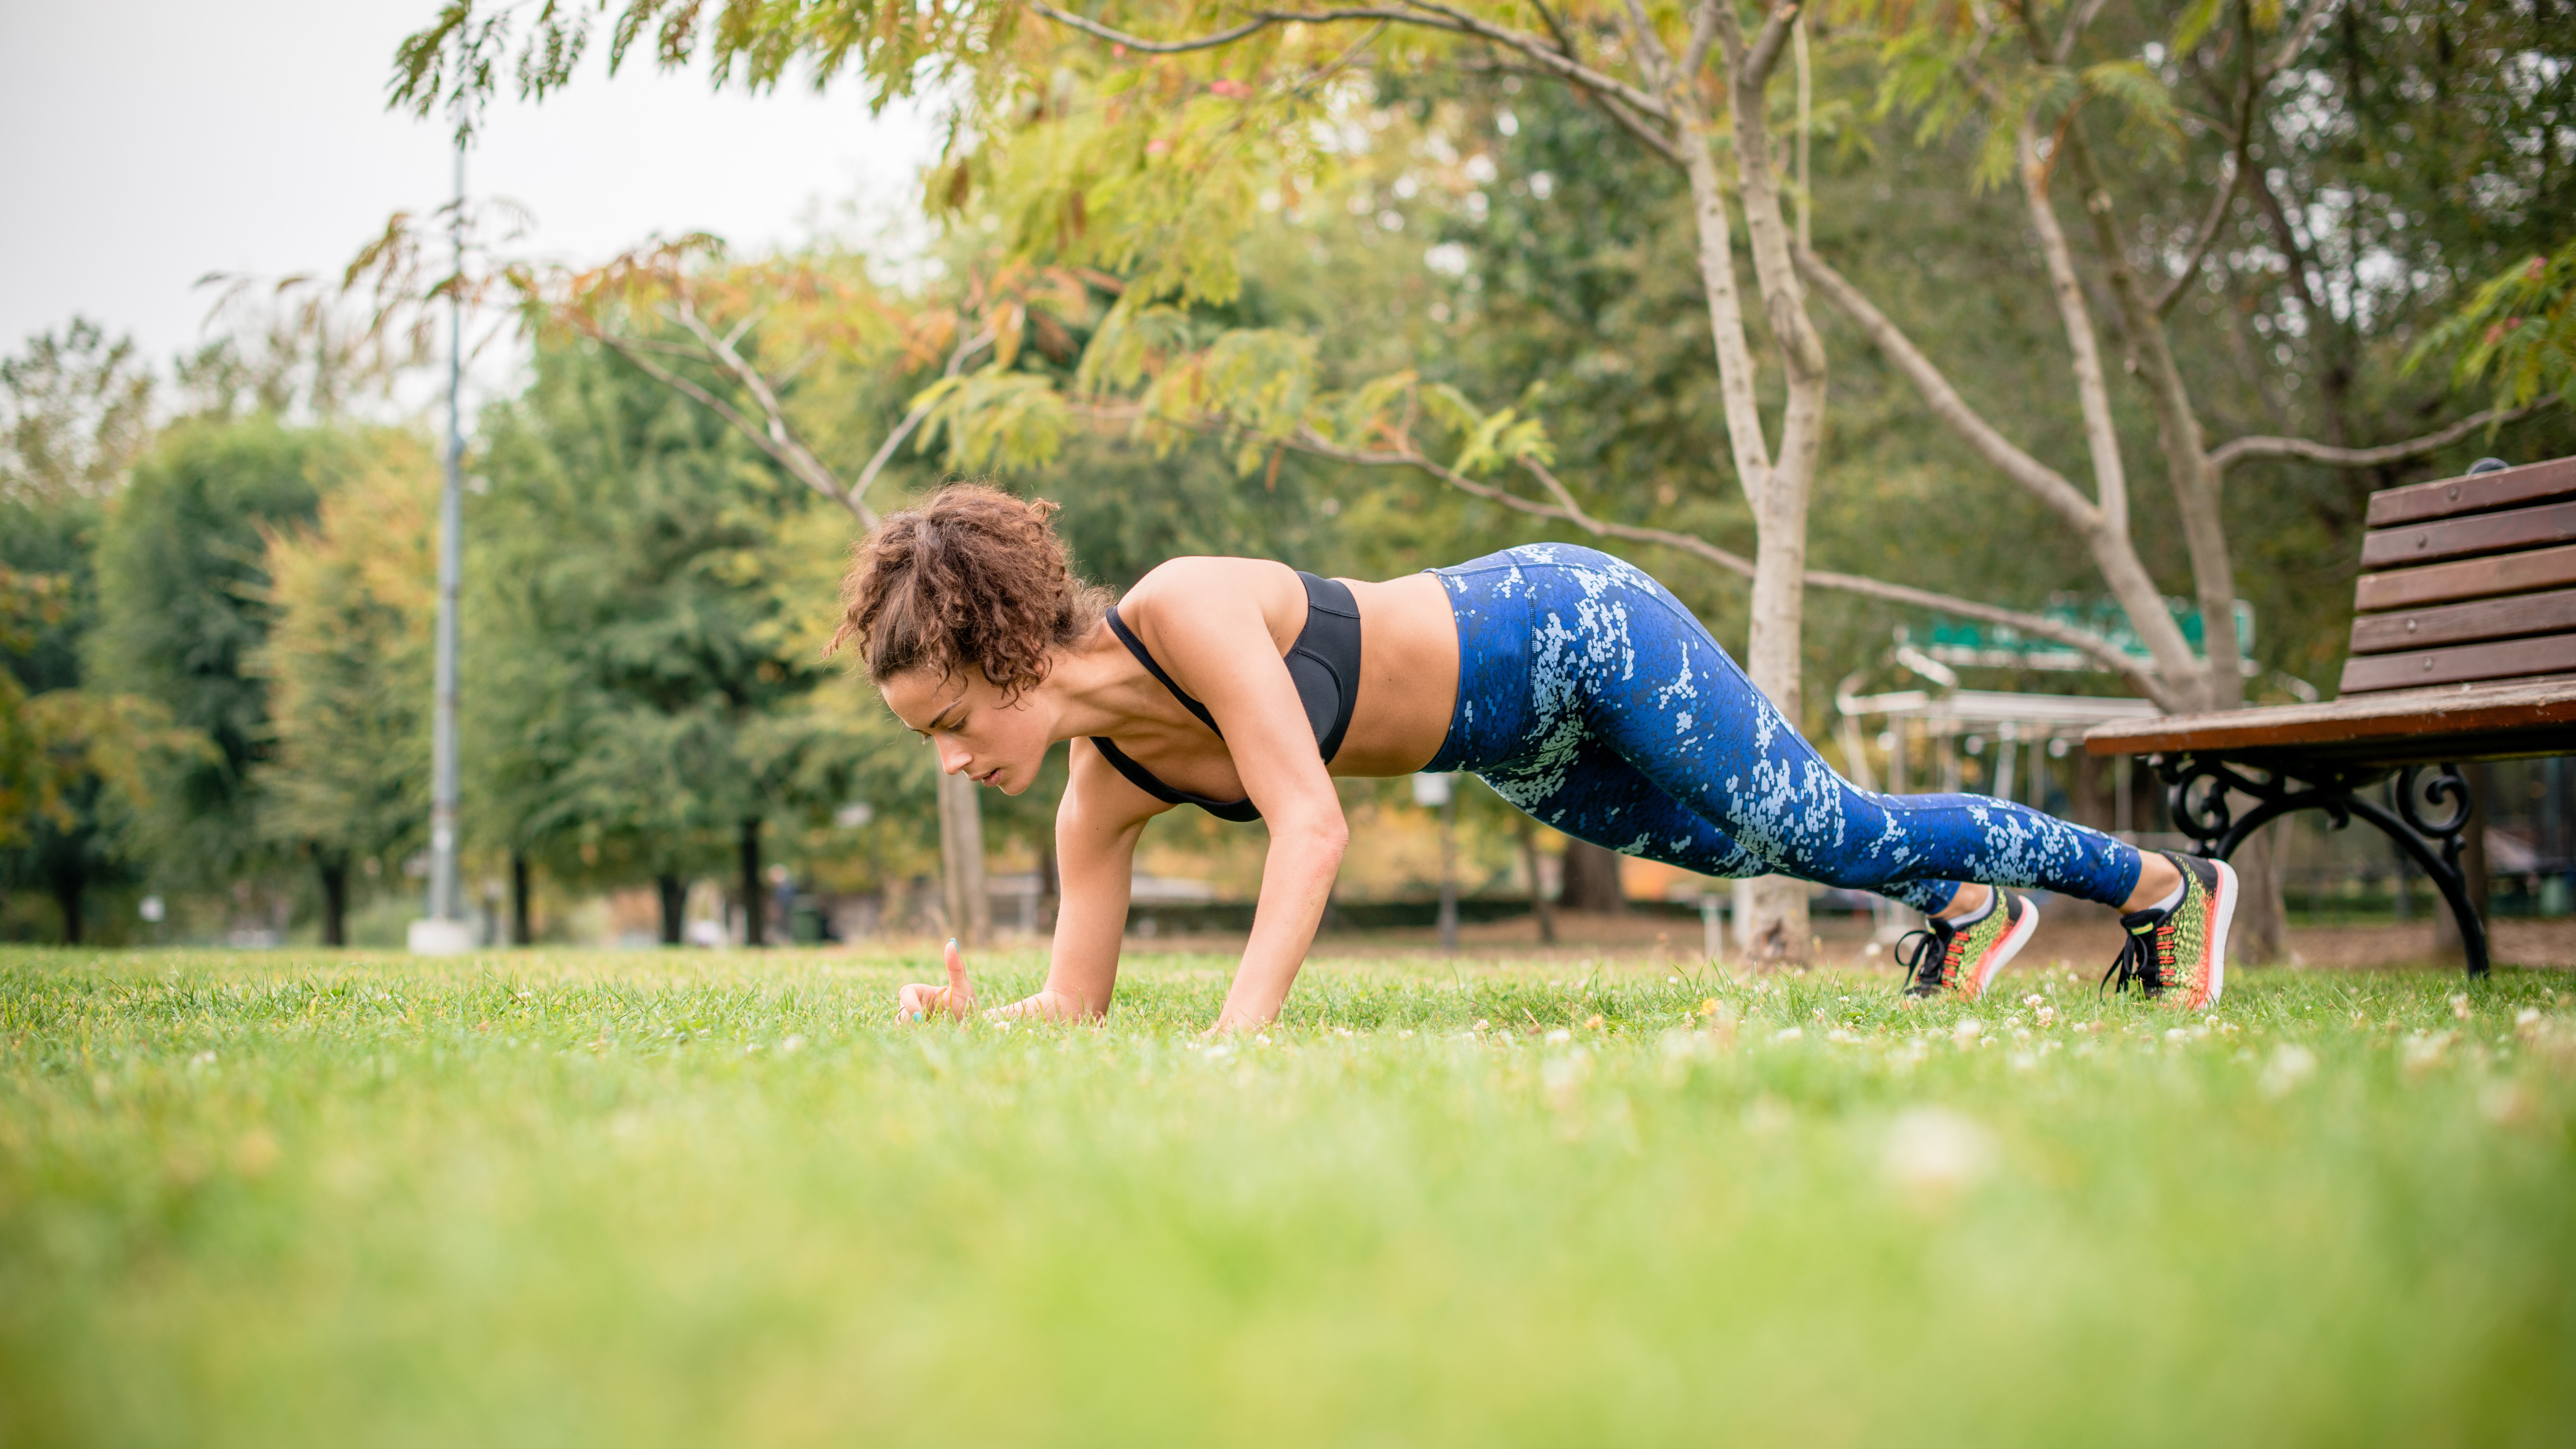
pixel 75 409
pixel 1140 138
pixel 347 664
pixel 649 721
pixel 183 612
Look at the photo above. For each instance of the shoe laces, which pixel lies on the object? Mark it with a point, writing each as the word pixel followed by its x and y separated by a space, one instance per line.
pixel 2144 959
pixel 1930 965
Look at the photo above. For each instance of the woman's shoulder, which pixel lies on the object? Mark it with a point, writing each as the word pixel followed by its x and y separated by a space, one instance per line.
pixel 1194 577
pixel 1202 597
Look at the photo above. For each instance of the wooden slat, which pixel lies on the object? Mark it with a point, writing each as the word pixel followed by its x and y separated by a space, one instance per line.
pixel 2423 724
pixel 2450 497
pixel 2550 613
pixel 2478 578
pixel 2513 659
pixel 2516 528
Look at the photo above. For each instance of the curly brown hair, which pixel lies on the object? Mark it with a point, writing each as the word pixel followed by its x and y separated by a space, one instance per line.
pixel 971 577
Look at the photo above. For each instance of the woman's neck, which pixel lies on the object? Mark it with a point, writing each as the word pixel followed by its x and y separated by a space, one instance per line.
pixel 1095 687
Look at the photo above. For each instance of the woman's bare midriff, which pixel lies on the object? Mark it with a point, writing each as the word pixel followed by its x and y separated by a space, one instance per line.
pixel 1408 677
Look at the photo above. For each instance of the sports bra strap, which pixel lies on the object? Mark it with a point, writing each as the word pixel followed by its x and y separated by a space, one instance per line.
pixel 1136 647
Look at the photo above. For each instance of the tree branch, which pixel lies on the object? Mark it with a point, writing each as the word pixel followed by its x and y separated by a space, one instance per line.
pixel 1414 12
pixel 2227 454
pixel 2309 25
pixel 1767 46
pixel 1260 22
pixel 2238 160
pixel 780 440
pixel 1639 127
pixel 1703 35
pixel 886 450
pixel 2045 482
pixel 2075 27
pixel 2209 225
pixel 626 348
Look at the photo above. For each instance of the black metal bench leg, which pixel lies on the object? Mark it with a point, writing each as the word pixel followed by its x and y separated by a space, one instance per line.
pixel 2197 787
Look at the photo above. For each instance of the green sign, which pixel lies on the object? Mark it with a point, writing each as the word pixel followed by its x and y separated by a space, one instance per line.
pixel 2000 646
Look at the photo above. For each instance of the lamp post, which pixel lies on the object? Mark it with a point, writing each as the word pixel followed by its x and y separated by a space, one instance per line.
pixel 444 931
pixel 1439 790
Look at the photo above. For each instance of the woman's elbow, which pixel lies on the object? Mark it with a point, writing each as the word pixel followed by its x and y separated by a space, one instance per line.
pixel 1325 835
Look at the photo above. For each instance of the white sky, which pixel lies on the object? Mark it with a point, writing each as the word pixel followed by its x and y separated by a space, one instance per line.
pixel 150 142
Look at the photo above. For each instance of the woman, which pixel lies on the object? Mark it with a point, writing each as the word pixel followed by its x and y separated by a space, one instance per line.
pixel 1575 685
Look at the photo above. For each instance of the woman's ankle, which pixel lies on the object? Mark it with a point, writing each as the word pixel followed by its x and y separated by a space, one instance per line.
pixel 2158 879
pixel 1968 900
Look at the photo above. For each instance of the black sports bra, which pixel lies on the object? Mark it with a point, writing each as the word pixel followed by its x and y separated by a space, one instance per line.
pixel 1324 662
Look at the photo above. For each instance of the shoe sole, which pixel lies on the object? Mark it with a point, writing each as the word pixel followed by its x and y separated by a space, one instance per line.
pixel 2005 949
pixel 2222 914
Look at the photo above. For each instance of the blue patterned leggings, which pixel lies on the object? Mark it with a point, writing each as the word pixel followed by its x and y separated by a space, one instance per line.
pixel 1589 697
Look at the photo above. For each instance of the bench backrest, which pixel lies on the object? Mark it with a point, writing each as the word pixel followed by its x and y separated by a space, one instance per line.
pixel 2467 580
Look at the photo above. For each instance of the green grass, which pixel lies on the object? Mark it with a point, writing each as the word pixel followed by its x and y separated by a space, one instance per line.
pixel 691 1200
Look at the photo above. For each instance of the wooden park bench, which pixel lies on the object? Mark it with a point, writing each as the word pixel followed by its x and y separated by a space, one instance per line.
pixel 2463 649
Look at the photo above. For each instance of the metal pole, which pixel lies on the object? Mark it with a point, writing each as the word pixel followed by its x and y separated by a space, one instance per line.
pixel 443 902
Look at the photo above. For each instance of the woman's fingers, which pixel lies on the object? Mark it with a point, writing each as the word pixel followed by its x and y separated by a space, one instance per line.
pixel 960 996
pixel 956 1000
pixel 915 1001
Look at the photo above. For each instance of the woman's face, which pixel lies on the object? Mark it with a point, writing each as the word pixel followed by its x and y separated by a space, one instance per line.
pixel 976 734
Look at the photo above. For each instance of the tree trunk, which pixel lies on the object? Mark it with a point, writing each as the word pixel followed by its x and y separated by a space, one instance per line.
pixel 1540 907
pixel 520 933
pixel 68 883
pixel 1591 880
pixel 2260 936
pixel 1777 491
pixel 755 898
pixel 334 870
pixel 675 900
pixel 961 860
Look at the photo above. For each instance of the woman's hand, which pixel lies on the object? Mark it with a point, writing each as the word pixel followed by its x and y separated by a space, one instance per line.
pixel 956 1000
pixel 1042 1005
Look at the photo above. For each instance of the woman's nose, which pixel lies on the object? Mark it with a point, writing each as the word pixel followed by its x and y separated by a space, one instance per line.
pixel 953 757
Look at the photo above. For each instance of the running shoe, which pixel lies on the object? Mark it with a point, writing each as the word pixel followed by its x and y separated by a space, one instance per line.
pixel 1965 959
pixel 2178 957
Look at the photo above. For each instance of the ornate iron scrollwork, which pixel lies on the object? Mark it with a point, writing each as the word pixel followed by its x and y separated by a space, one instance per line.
pixel 2430 821
pixel 2447 786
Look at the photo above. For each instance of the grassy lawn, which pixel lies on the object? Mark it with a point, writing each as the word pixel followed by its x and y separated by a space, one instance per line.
pixel 716 1200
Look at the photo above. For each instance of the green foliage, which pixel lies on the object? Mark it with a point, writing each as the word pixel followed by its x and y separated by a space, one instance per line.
pixel 74 411
pixel 578 1199
pixel 994 419
pixel 640 676
pixel 348 662
pixel 2520 326
pixel 73 764
pixel 182 588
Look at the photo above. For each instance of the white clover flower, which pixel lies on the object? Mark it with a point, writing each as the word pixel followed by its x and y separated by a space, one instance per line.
pixel 1937 1151
pixel 2291 1064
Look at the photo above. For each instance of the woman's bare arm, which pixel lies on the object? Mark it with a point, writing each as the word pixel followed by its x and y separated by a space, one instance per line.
pixel 1221 646
pixel 1096 828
